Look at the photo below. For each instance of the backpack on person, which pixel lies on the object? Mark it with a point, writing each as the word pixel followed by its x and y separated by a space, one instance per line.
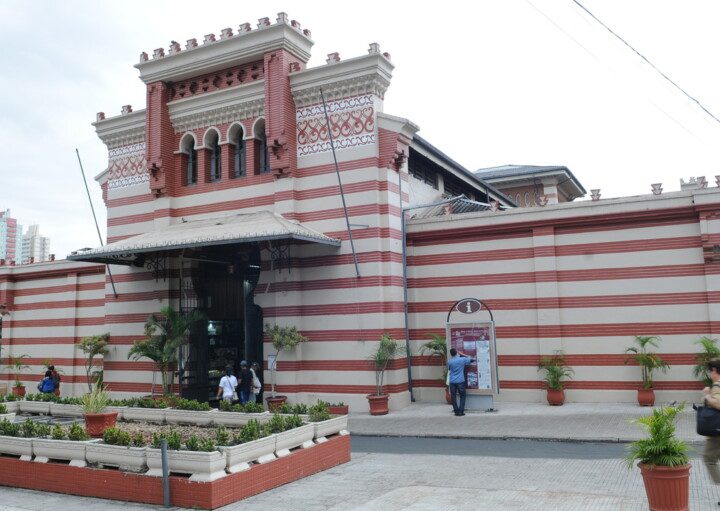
pixel 46 385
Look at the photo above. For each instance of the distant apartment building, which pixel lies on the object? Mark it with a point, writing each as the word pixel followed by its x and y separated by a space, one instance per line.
pixel 10 237
pixel 35 248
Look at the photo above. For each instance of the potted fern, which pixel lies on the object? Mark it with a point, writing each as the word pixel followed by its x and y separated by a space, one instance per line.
pixel 556 370
pixel 97 418
pixel 663 460
pixel 437 347
pixel 710 350
pixel 649 363
pixel 385 351
pixel 283 338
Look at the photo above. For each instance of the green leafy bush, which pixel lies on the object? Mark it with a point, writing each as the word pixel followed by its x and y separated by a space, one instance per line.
pixel 138 440
pixel 319 412
pixel 300 409
pixel 3 408
pixel 285 408
pixel 294 421
pixel 41 397
pixel 28 429
pixel 246 408
pixel 8 428
pixel 58 433
pixel 42 430
pixel 207 445
pixel 276 424
pixel 69 401
pixel 192 443
pixel 191 404
pixel 250 431
pixel 222 436
pixel 661 447
pixel 253 408
pixel 77 433
pixel 96 401
pixel 174 441
pixel 116 436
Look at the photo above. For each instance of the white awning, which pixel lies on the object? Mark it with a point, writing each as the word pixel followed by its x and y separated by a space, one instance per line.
pixel 237 228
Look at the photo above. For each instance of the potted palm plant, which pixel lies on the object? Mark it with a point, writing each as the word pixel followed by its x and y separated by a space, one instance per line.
pixel 437 347
pixel 649 363
pixel 385 351
pixel 663 460
pixel 18 365
pixel 97 418
pixel 709 351
pixel 556 370
pixel 163 338
pixel 283 338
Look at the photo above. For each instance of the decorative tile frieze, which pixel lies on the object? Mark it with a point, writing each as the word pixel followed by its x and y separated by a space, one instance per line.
pixel 127 166
pixel 352 121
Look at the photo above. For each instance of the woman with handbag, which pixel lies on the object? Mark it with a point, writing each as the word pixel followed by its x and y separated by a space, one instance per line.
pixel 711 397
pixel 227 385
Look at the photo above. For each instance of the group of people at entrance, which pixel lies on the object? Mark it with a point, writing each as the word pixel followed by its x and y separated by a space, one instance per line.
pixel 246 387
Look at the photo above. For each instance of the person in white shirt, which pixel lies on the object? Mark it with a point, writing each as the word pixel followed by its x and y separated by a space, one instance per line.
pixel 227 386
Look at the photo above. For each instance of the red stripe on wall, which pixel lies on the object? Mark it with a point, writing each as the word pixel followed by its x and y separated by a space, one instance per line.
pixel 344 283
pixel 333 309
pixel 89 286
pixel 58 305
pixel 603 385
pixel 28 323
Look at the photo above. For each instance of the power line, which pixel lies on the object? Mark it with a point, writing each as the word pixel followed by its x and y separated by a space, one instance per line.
pixel 647 61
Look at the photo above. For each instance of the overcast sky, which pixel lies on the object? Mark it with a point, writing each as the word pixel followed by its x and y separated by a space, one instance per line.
pixel 489 82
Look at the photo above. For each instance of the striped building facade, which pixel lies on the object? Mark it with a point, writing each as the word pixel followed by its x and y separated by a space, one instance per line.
pixel 236 125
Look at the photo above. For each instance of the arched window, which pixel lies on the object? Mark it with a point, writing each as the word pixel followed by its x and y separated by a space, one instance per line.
pixel 215 161
pixel 188 147
pixel 240 154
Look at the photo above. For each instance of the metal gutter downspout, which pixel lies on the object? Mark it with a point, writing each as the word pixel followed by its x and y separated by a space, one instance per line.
pixel 404 274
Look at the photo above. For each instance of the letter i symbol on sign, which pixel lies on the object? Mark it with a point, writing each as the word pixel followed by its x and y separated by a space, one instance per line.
pixel 468 307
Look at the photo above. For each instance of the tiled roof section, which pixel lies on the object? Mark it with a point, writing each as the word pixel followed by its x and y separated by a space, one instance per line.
pixel 508 171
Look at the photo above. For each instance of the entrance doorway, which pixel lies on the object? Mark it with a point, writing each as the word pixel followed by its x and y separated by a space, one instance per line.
pixel 220 282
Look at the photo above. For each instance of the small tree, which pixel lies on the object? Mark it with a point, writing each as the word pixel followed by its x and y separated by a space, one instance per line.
pixel 385 351
pixel 164 336
pixel 284 338
pixel 709 351
pixel 18 365
pixel 661 447
pixel 648 362
pixel 93 346
pixel 437 348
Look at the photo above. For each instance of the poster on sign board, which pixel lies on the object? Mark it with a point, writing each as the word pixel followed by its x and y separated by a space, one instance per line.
pixel 476 340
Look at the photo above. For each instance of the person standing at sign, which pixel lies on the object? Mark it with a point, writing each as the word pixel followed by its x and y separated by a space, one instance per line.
pixel 456 370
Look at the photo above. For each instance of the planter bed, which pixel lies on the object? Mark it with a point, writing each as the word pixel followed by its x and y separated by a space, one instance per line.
pixel 202 466
pixel 17 446
pixel 190 417
pixel 240 457
pixel 156 415
pixel 40 407
pixel 330 427
pixel 46 449
pixel 293 438
pixel 7 417
pixel 58 410
pixel 12 406
pixel 128 459
pixel 237 419
pixel 184 493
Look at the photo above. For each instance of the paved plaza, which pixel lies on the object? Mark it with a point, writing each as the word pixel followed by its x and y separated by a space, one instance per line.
pixel 424 458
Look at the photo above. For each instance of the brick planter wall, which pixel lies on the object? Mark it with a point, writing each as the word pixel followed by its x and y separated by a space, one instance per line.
pixel 111 484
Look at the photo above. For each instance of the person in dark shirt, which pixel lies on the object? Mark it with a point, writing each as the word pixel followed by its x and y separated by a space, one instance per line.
pixel 245 381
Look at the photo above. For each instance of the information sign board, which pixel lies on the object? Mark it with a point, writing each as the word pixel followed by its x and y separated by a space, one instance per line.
pixel 476 340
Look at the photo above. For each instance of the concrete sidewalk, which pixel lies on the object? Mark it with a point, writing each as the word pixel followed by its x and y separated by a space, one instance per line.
pixel 580 422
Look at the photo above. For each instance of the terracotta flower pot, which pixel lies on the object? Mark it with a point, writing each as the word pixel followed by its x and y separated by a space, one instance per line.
pixel 339 410
pixel 378 404
pixel 19 391
pixel 274 403
pixel 97 423
pixel 667 488
pixel 646 397
pixel 448 396
pixel 555 397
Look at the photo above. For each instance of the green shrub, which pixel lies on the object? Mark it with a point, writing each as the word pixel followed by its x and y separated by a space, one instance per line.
pixel 173 440
pixel 265 430
pixel 207 445
pixel 69 401
pixel 225 406
pixel 251 407
pixel 77 433
pixel 42 430
pixel 300 409
pixel 28 429
pixel 661 447
pixel 58 433
pixel 192 443
pixel 250 431
pixel 8 428
pixel 3 408
pixel 41 397
pixel 294 421
pixel 319 412
pixel 138 440
pixel 222 436
pixel 191 404
pixel 116 436
pixel 276 424
pixel 285 408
